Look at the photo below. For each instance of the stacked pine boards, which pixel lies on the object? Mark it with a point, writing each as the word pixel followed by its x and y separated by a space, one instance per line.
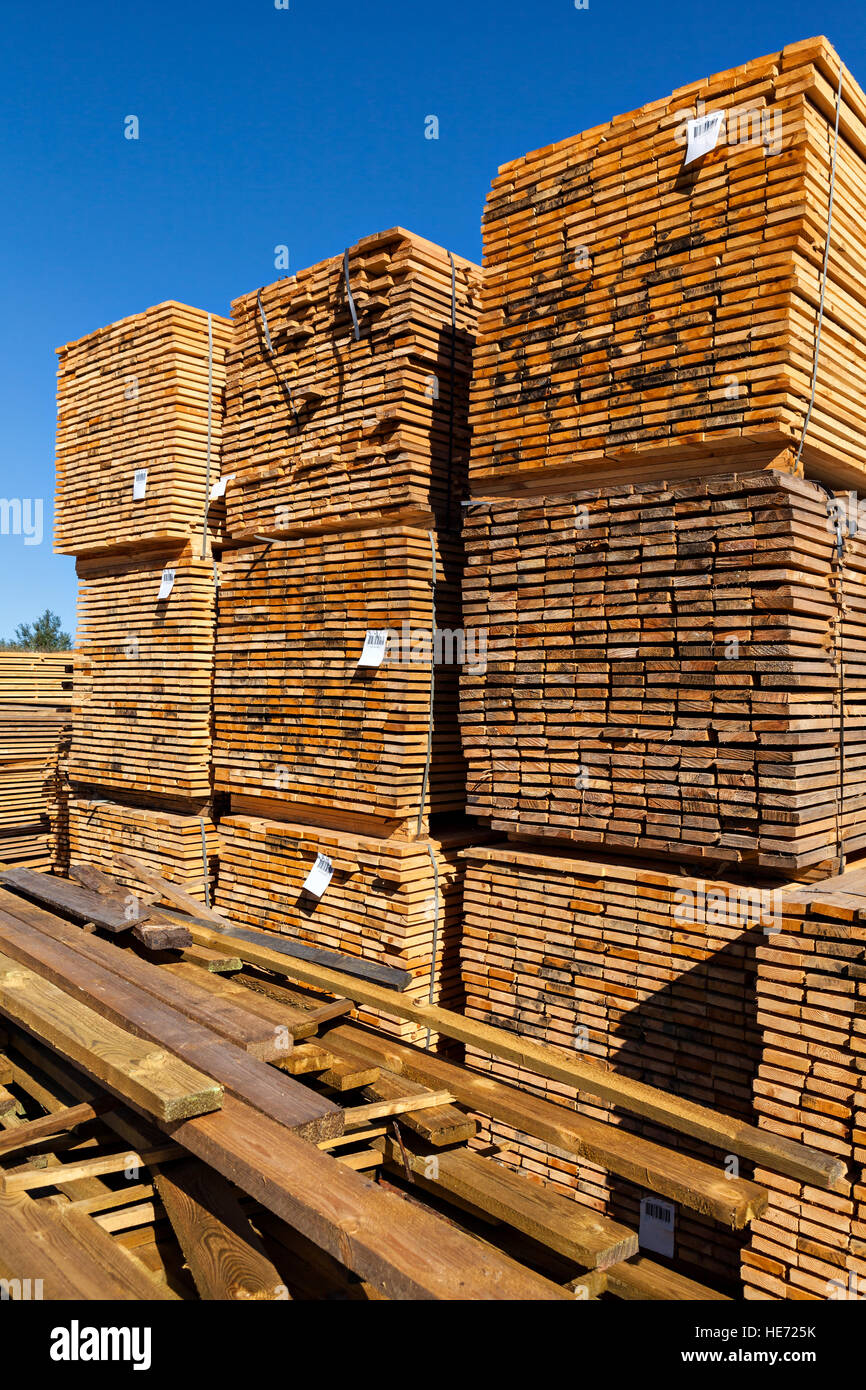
pixel 670 723
pixel 35 701
pixel 140 419
pixel 336 739
pixel 201 1123
pixel 320 441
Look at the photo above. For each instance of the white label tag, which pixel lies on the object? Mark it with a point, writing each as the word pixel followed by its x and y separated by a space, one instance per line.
pixel 319 876
pixel 374 647
pixel 167 584
pixel 139 484
pixel 703 133
pixel 657 1226
pixel 219 487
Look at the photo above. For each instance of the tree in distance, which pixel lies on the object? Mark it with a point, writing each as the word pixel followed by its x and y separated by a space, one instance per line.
pixel 43 635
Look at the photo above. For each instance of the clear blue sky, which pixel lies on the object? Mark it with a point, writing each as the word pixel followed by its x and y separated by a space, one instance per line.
pixel 262 126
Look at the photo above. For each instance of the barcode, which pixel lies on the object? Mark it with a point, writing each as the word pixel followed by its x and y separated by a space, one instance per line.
pixel 659 1213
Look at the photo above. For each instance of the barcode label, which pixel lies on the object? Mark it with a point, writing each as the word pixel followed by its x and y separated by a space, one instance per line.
pixel 703 132
pixel 373 650
pixel 139 484
pixel 166 584
pixel 319 876
pixel 657 1226
pixel 219 487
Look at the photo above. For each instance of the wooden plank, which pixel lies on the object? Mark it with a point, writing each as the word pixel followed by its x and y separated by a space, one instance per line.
pixel 68 1253
pixel 405 1252
pixel 60 1122
pixel 75 900
pixel 794 1160
pixel 360 1115
pixel 225 1256
pixel 164 1085
pixel 734 1202
pixel 53 1176
pixel 537 1210
pixel 641 1278
pixel 53 948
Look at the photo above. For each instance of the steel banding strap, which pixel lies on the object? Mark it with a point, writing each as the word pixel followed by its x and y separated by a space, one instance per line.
pixel 283 385
pixel 426 778
pixel 448 514
pixel 431 994
pixel 205 879
pixel 350 296
pixel 820 322
pixel 209 435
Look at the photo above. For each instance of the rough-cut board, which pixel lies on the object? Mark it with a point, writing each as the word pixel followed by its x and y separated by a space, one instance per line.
pixel 298 721
pixel 79 963
pixel 150 1077
pixel 699 1186
pixel 323 426
pixel 67 1257
pixel 101 831
pixel 394 902
pixel 634 308
pixel 406 1252
pixel 114 913
pixel 223 1253
pixel 134 397
pixel 664 665
pixel 143 676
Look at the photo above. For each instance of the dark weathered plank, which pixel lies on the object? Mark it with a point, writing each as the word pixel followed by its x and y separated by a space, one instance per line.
pixel 75 900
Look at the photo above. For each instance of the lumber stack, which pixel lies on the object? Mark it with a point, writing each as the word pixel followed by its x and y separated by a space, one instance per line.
pixel 649 971
pixel 144 672
pixel 811 1244
pixel 297 720
pixel 141 412
pixel 329 426
pixel 394 901
pixel 642 316
pixel 664 670
pixel 141 396
pixel 35 700
pixel 176 846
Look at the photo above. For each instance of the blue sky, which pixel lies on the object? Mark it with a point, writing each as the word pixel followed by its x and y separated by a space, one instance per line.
pixel 302 126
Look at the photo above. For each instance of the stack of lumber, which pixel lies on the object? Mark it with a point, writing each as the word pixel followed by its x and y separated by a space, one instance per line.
pixel 176 846
pixel 253 1176
pixel 393 901
pixel 650 971
pixel 326 425
pixel 144 672
pixel 298 723
pixel 139 396
pixel 35 700
pixel 639 313
pixel 811 987
pixel 665 664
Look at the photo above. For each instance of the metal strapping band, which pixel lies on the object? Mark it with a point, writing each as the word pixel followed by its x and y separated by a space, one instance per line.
pixel 435 946
pixel 823 271
pixel 426 778
pixel 349 295
pixel 209 434
pixel 283 385
pixel 204 866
